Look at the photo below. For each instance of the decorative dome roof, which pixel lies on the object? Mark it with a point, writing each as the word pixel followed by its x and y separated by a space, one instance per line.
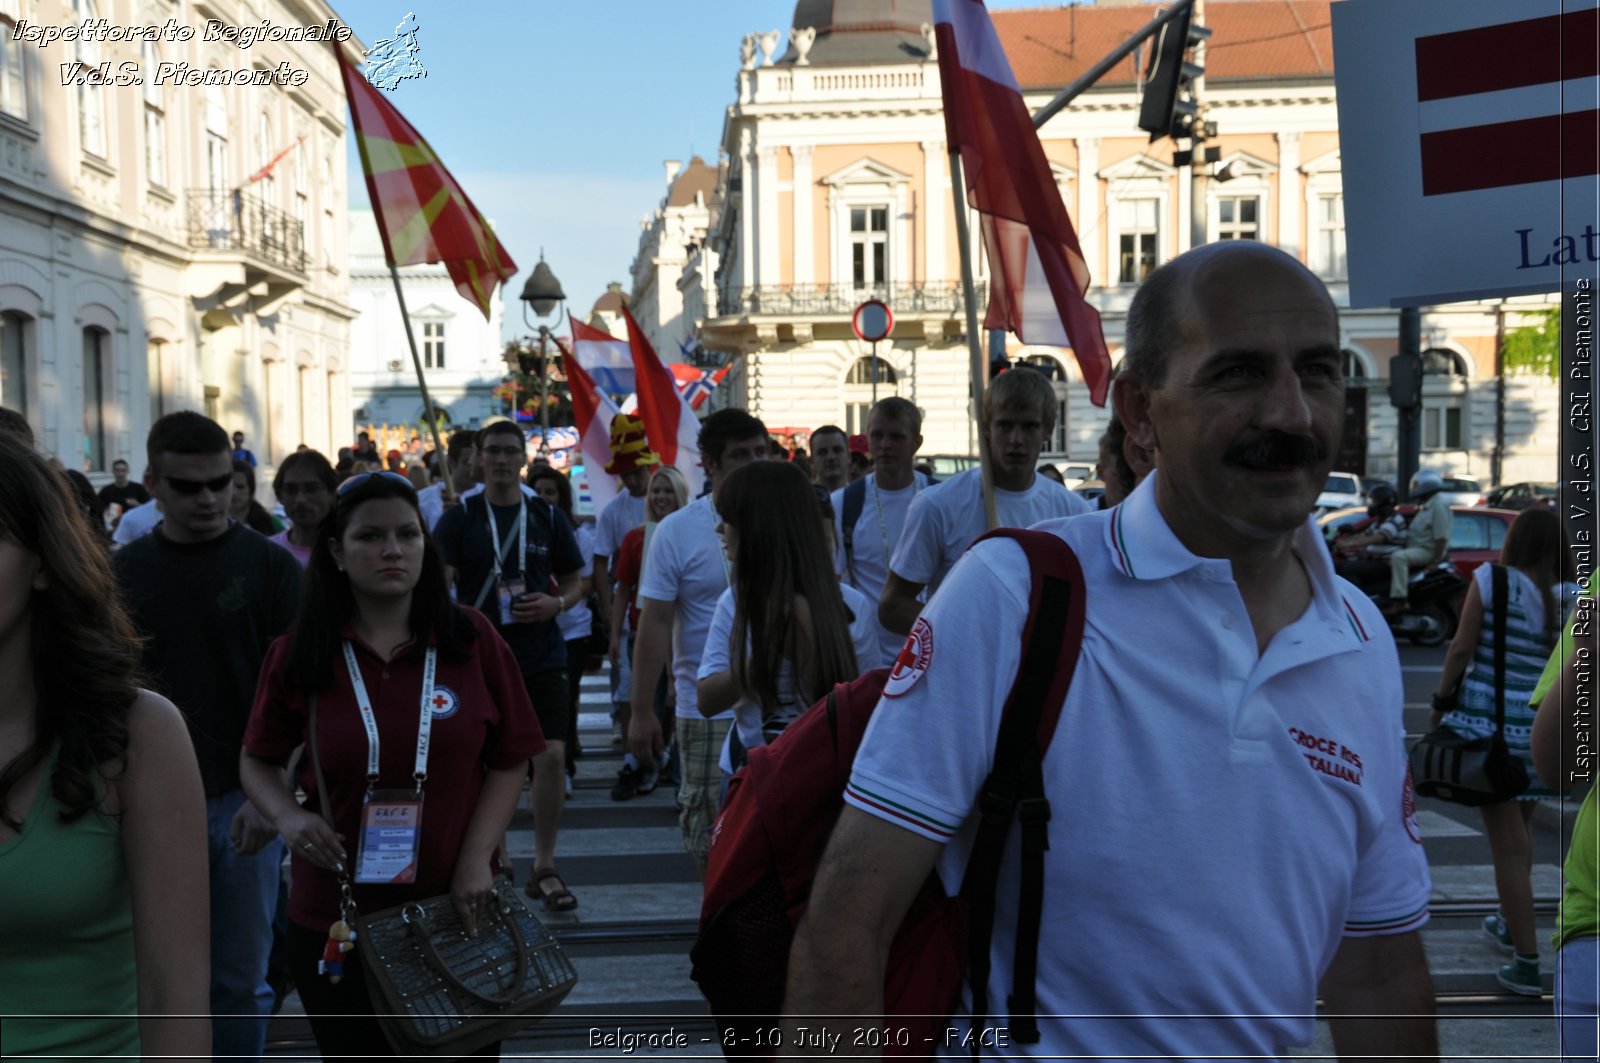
pixel 853 32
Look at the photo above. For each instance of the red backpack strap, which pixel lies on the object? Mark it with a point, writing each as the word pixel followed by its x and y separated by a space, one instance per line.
pixel 1051 639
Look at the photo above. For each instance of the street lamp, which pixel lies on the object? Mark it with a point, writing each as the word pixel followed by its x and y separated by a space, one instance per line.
pixel 544 295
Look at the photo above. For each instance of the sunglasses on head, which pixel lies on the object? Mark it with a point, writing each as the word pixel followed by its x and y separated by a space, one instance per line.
pixel 194 487
pixel 361 478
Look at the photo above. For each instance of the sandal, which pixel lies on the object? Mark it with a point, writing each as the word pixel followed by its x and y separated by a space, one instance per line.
pixel 559 899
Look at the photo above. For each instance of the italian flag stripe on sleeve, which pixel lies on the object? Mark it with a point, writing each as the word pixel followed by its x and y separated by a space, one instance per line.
pixel 870 801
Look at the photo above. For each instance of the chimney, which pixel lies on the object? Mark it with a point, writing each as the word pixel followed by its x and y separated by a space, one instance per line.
pixel 672 166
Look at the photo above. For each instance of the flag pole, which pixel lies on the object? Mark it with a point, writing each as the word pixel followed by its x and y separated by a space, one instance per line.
pixel 980 365
pixel 428 409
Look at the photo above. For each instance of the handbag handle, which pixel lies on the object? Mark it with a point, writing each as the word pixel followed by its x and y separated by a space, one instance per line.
pixel 422 933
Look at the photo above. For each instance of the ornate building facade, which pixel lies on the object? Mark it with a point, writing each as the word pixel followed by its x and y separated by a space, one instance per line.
pixel 836 188
pixel 172 244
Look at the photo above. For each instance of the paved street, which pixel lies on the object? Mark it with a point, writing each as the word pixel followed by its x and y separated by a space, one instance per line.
pixel 639 897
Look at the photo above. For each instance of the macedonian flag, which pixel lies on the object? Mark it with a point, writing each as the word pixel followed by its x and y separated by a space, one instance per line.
pixel 423 215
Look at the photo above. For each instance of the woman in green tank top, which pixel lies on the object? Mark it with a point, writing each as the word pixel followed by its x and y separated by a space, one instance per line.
pixel 103 889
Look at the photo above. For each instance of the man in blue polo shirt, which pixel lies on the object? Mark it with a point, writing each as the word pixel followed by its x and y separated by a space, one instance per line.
pixel 1234 831
pixel 516 558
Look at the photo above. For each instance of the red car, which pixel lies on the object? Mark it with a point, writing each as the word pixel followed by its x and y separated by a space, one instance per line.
pixel 1476 532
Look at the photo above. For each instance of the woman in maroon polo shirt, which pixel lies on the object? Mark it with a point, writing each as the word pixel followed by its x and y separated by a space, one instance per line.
pixel 378 639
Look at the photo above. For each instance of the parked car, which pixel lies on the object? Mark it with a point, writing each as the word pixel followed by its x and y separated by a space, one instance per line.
pixel 1522 496
pixel 1476 532
pixel 1342 489
pixel 1460 491
pixel 1072 474
pixel 1092 490
pixel 947 465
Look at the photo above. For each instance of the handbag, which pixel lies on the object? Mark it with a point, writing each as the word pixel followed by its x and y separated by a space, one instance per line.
pixel 1473 771
pixel 437 992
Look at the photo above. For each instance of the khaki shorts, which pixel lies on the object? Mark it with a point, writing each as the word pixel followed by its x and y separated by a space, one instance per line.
pixel 699 747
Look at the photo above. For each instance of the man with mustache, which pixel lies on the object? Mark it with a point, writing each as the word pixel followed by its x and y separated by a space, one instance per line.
pixel 1232 829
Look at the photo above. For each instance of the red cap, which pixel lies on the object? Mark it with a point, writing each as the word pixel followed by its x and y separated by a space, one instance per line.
pixel 858 445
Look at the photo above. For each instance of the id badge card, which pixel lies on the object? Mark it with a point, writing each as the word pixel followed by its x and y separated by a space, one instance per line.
pixel 391 831
pixel 510 591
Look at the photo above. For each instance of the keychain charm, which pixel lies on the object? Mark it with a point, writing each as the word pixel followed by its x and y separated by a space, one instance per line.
pixel 341 939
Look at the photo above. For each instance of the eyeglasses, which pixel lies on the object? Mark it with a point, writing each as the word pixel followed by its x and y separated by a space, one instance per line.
pixel 361 478
pixel 194 487
pixel 503 452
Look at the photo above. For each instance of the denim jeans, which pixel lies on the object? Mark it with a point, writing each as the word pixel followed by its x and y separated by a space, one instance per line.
pixel 1578 997
pixel 244 894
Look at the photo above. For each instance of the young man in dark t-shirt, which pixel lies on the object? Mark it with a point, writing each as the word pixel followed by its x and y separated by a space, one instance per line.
pixel 121 493
pixel 515 559
pixel 209 595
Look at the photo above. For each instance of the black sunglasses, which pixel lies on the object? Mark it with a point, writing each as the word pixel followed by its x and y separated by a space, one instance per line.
pixel 194 487
pixel 361 478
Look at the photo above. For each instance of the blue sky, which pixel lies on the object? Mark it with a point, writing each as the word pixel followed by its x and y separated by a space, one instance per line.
pixel 556 116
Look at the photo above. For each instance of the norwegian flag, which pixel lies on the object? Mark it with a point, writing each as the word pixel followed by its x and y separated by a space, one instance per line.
pixel 1540 70
pixel 696 385
pixel 1039 273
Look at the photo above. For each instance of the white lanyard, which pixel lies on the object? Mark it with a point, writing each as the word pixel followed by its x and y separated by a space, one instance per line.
pixel 883 526
pixel 500 545
pixel 370 722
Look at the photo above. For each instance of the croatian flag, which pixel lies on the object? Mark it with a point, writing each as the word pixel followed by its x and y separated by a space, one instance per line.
pixel 606 358
pixel 592 411
pixel 1039 273
pixel 669 423
pixel 1540 71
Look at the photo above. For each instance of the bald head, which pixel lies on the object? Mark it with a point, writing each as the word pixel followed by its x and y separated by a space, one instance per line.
pixel 1171 305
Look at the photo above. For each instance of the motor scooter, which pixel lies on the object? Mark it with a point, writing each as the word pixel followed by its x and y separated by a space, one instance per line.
pixel 1433 604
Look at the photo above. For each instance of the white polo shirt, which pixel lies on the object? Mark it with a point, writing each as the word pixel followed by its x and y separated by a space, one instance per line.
pixel 945 519
pixel 138 522
pixel 1221 818
pixel 686 566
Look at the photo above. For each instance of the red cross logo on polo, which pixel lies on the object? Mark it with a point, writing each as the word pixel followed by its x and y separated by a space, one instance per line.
pixel 1408 810
pixel 444 703
pixel 912 664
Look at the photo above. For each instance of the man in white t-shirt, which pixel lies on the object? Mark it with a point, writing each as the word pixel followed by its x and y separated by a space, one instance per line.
pixel 461 451
pixel 1019 414
pixel 685 572
pixel 1234 829
pixel 632 461
pixel 870 513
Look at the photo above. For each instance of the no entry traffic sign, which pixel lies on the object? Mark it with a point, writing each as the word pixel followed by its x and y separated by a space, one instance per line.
pixel 873 320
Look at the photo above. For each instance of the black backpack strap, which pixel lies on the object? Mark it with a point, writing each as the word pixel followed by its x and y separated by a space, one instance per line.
pixel 855 500
pixel 1014 789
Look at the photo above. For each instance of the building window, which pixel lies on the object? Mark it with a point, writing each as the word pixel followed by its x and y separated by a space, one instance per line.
pixel 861 372
pixel 264 158
pixel 155 121
pixel 302 190
pixel 1139 235
pixel 855 417
pixel 1444 387
pixel 1238 218
pixel 96 342
pixel 328 194
pixel 158 369
pixel 1327 235
pixel 91 98
pixel 869 246
pixel 13 73
pixel 13 363
pixel 433 345
pixel 1354 370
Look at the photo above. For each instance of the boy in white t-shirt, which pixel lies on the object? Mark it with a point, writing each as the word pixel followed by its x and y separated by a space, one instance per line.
pixel 685 572
pixel 1019 414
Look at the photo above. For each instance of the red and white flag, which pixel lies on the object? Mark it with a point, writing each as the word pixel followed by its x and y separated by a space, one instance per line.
pixel 669 423
pixel 592 411
pixel 1537 76
pixel 1039 275
pixel 608 360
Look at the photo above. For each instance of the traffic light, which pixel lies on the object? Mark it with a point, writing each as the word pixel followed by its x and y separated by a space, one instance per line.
pixel 1169 104
pixel 1405 381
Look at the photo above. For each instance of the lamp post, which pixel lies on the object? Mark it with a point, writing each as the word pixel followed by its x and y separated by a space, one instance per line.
pixel 544 295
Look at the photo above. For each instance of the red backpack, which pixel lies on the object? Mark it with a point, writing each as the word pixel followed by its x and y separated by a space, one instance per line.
pixel 781 808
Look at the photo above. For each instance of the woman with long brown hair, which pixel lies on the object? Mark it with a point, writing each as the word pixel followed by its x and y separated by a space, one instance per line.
pixel 785 631
pixel 103 885
pixel 1540 591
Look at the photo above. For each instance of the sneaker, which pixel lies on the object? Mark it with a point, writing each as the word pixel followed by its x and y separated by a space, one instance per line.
pixel 1494 927
pixel 627 784
pixel 1521 976
pixel 648 780
pixel 569 785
